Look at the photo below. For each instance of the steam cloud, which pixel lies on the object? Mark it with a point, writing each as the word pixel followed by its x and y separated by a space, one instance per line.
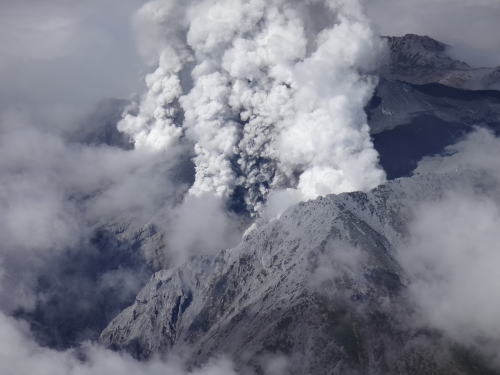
pixel 268 94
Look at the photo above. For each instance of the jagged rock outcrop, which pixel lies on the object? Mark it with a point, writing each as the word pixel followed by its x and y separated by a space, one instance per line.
pixel 321 286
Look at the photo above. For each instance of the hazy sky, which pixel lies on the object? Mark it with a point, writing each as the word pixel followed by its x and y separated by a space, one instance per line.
pixel 59 56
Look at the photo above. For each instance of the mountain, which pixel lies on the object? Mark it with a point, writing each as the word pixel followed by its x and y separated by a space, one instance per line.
pixel 421 59
pixel 321 286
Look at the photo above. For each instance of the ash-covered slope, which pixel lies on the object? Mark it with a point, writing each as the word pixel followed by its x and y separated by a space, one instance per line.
pixel 321 286
pixel 421 59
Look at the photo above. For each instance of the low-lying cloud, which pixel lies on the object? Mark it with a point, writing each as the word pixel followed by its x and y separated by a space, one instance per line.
pixel 70 215
pixel 21 355
pixel 453 256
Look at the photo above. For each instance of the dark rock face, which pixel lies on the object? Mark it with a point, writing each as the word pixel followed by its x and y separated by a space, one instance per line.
pixel 322 286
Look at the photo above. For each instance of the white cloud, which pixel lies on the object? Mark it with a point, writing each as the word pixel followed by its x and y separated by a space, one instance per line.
pixel 200 225
pixel 452 255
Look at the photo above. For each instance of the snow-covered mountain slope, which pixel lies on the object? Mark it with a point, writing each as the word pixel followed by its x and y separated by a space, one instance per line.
pixel 420 59
pixel 321 286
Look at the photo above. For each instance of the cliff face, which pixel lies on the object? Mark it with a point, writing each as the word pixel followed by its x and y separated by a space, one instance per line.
pixel 321 286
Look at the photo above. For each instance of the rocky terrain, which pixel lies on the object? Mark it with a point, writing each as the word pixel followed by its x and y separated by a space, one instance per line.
pixel 321 286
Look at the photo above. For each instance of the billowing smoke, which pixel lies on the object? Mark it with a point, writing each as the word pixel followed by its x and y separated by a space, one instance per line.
pixel 269 95
pixel 265 97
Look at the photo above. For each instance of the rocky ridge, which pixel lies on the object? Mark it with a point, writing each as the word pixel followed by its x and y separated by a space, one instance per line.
pixel 321 286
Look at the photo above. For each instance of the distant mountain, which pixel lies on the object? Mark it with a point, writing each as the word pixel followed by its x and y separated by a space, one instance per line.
pixel 421 59
pixel 321 286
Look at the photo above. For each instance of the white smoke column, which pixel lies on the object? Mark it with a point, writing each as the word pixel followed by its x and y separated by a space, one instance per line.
pixel 329 134
pixel 154 127
pixel 275 98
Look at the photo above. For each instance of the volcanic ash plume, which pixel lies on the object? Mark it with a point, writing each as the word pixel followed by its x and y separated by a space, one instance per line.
pixel 269 95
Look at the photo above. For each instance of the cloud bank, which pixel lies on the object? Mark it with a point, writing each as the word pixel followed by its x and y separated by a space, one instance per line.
pixel 452 255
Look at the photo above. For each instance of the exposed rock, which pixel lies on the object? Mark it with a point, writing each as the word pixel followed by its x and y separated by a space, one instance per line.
pixel 321 285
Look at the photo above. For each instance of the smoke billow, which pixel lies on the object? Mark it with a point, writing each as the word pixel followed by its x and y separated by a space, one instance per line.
pixel 265 97
pixel 268 95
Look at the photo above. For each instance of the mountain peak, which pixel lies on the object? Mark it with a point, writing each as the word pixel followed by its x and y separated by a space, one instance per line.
pixel 414 41
pixel 415 51
pixel 420 60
